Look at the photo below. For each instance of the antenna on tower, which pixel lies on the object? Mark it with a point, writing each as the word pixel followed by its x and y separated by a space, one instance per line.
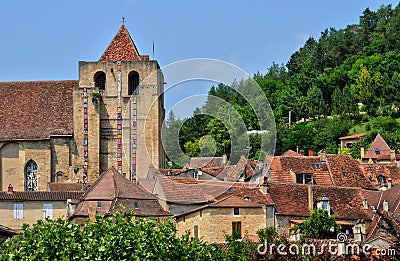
pixel 153 48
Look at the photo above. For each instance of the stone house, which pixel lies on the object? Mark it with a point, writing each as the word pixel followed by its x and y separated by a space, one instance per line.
pixel 26 207
pixel 380 153
pixel 212 221
pixel 112 192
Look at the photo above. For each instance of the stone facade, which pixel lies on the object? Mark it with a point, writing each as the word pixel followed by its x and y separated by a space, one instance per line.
pixel 214 223
pixel 32 212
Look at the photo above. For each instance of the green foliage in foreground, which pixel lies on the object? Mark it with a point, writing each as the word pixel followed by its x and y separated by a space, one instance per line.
pixel 122 237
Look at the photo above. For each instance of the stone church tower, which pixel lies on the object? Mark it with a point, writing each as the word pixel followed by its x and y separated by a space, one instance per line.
pixel 118 109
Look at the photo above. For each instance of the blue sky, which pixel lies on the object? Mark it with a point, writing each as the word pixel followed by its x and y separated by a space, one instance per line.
pixel 44 40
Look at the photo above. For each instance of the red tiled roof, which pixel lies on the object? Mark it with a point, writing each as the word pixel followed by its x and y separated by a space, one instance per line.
pixel 111 190
pixel 291 153
pixel 371 171
pixel 292 200
pixel 7 230
pixel 346 172
pixel 230 201
pixel 39 195
pixel 36 110
pixel 338 170
pixel 354 136
pixel 122 48
pixel 206 162
pixel 65 186
pixel 379 143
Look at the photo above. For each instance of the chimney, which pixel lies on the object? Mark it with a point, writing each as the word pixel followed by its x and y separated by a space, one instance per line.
pixel 322 156
pixel 224 159
pixel 302 152
pixel 260 164
pixel 310 152
pixel 389 183
pixel 362 152
pixel 310 197
pixel 10 189
pixel 359 231
pixel 264 189
pixel 393 156
pixel 386 206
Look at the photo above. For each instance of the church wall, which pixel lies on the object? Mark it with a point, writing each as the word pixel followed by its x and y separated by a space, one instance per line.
pixel 60 160
pixel 13 159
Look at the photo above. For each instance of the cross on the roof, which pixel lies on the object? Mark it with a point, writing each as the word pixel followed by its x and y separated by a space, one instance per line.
pixel 123 20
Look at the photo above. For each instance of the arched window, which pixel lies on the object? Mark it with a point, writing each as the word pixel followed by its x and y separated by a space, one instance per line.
pixel 57 177
pixel 31 176
pixel 133 82
pixel 100 80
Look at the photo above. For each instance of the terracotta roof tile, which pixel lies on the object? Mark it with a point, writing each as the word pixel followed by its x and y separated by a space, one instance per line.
pixel 292 200
pixel 371 172
pixel 206 162
pixel 346 172
pixel 354 136
pixel 36 110
pixel 291 153
pixel 380 144
pixel 39 195
pixel 65 186
pixel 111 190
pixel 122 48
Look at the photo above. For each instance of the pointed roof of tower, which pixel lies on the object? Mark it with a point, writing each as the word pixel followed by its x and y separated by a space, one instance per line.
pixel 379 148
pixel 122 48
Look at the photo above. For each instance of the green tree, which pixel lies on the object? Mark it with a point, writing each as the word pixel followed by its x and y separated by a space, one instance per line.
pixel 319 225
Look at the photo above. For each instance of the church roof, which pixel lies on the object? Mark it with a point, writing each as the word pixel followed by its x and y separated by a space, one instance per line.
pixel 122 48
pixel 36 110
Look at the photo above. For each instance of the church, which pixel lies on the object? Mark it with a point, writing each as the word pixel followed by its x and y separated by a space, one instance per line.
pixel 73 130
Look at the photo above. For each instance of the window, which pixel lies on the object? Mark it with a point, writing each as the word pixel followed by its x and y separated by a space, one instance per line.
pixel 133 83
pixel 47 211
pixel 195 175
pixel 303 178
pixel 236 211
pixel 325 205
pixel 136 204
pixel 196 231
pixel 377 151
pixel 18 211
pixel 31 176
pixel 237 228
pixel 381 179
pixel 100 80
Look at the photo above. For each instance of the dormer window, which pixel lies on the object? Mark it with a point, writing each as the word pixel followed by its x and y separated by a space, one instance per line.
pixel 317 165
pixel 381 179
pixel 100 80
pixel 377 151
pixel 323 203
pixel 302 178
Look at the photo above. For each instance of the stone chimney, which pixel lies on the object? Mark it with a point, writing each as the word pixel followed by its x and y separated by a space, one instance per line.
pixel 389 183
pixel 322 156
pixel 264 189
pixel 386 206
pixel 359 231
pixel 10 189
pixel 260 164
pixel 310 197
pixel 362 152
pixel 310 152
pixel 302 152
pixel 224 159
pixel 393 157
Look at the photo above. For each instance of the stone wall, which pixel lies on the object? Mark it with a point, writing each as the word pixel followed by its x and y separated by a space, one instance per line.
pixel 32 211
pixel 214 223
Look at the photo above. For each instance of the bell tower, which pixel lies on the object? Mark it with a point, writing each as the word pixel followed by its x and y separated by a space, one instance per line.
pixel 119 111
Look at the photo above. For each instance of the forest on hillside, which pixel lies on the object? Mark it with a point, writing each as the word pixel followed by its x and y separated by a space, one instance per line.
pixel 344 82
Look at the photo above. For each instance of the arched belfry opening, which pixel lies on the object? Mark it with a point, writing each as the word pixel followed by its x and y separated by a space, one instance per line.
pixel 133 83
pixel 100 80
